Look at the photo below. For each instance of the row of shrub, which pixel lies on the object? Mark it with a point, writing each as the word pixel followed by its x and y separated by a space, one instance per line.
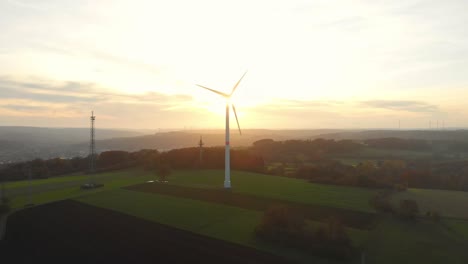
pixel 407 208
pixel 287 227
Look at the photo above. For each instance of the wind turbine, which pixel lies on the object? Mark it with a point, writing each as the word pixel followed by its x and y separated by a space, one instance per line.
pixel 227 161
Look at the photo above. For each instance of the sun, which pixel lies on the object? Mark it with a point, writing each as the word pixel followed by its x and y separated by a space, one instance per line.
pixel 246 98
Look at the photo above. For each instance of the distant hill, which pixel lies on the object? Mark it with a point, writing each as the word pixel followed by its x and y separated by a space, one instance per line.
pixel 26 143
pixel 182 139
pixel 451 135
pixel 58 135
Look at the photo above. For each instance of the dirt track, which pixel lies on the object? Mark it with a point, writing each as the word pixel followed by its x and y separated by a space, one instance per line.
pixel 72 232
pixel 350 218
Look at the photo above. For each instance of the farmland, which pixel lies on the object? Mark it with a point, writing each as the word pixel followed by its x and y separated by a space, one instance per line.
pixel 282 188
pixel 192 201
pixel 59 188
pixel 72 232
pixel 447 203
pixel 288 189
pixel 214 220
pixel 74 179
pixel 316 212
pixel 398 241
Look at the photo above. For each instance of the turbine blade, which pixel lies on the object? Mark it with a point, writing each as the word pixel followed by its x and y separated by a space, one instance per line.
pixel 214 91
pixel 237 120
pixel 235 86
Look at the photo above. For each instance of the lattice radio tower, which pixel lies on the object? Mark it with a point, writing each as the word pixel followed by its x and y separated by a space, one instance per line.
pixel 200 145
pixel 92 146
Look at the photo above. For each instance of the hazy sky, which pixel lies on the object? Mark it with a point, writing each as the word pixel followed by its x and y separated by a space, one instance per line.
pixel 311 64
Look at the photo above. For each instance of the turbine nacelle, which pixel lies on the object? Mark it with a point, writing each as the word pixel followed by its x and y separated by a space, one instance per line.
pixel 228 96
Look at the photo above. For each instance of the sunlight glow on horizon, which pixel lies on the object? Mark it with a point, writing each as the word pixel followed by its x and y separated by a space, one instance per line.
pixel 344 63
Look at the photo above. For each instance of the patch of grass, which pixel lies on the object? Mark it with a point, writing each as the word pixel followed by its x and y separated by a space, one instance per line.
pixel 80 177
pixel 215 220
pixel 182 213
pixel 45 197
pixel 294 190
pixel 398 241
pixel 460 227
pixel 289 189
pixel 35 182
pixel 447 203
pixel 313 212
pixel 282 188
pixel 43 193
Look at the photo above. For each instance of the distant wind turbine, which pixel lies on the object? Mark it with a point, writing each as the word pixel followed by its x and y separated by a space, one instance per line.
pixel 227 166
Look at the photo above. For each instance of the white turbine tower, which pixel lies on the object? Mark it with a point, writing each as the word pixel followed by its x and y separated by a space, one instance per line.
pixel 227 166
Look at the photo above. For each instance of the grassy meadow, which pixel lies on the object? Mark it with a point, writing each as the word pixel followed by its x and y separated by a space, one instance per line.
pixel 283 188
pixel 288 189
pixel 400 241
pixel 75 178
pixel 447 203
pixel 60 188
pixel 392 241
pixel 459 227
pixel 229 223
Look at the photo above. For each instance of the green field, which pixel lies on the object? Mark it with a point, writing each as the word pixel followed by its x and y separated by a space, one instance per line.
pixel 54 189
pixel 25 183
pixel 392 241
pixel 288 189
pixel 399 241
pixel 458 226
pixel 282 188
pixel 447 203
pixel 75 178
pixel 215 220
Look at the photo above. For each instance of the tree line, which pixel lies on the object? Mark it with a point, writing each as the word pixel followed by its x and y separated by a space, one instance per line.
pixel 149 159
pixel 297 150
pixel 396 174
pixel 312 160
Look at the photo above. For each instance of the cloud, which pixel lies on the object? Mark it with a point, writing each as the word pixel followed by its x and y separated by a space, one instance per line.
pixel 72 49
pixel 25 5
pixel 39 102
pixel 19 107
pixel 402 105
pixel 35 97
pixel 301 104
pixel 293 109
pixel 354 23
pixel 78 92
